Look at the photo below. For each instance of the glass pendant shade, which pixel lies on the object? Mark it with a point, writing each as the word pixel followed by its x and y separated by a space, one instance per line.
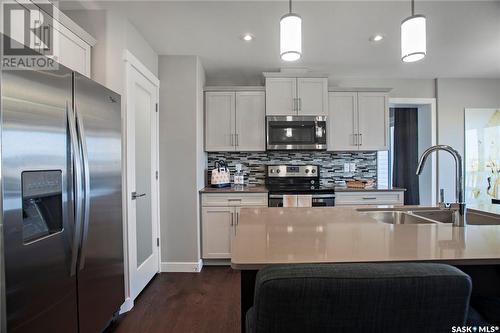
pixel 291 37
pixel 413 38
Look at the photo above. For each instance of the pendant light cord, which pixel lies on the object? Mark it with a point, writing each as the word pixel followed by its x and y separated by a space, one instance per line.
pixel 412 7
pixel 290 6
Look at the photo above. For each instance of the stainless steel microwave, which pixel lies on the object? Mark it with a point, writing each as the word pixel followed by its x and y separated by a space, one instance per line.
pixel 296 132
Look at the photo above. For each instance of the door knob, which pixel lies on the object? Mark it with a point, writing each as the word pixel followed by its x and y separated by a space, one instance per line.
pixel 135 195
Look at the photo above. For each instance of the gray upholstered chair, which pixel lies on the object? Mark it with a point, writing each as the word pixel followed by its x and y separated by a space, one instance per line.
pixel 393 297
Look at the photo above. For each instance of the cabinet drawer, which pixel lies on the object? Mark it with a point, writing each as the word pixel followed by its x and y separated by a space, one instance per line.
pixel 369 198
pixel 233 200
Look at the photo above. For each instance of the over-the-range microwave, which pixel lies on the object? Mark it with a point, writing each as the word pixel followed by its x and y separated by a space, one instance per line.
pixel 296 132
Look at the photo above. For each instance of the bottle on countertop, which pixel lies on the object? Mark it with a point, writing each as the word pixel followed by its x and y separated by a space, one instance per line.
pixel 239 176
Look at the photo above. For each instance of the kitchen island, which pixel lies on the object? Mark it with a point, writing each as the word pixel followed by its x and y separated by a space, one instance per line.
pixel 268 236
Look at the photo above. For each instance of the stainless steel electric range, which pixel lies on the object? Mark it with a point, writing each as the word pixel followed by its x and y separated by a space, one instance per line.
pixel 297 180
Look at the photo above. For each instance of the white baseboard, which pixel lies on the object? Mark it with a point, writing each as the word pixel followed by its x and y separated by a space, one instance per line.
pixel 217 262
pixel 127 305
pixel 182 267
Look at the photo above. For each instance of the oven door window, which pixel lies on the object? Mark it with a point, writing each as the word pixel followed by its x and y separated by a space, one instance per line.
pixel 290 132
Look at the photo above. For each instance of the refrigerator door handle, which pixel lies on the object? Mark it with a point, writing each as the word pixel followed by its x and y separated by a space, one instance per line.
pixel 77 165
pixel 86 189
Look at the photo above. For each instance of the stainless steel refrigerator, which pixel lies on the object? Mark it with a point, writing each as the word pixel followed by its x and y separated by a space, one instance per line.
pixel 62 204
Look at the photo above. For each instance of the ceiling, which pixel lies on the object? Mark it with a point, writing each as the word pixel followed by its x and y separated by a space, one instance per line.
pixel 463 36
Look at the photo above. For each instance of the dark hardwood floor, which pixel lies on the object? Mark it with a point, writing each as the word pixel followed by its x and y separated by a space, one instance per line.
pixel 186 302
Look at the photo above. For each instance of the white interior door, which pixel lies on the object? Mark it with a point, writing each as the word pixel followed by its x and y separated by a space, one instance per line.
pixel 142 182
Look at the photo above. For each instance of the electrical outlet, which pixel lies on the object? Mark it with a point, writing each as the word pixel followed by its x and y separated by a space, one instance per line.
pixel 352 167
pixel 346 167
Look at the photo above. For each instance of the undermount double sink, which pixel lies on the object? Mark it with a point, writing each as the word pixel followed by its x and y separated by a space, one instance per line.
pixel 426 216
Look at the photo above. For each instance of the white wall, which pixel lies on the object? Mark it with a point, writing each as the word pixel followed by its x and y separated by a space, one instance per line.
pixel 453 96
pixel 182 161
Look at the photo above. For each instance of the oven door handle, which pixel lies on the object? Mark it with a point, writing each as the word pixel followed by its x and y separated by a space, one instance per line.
pixel 314 196
pixel 323 196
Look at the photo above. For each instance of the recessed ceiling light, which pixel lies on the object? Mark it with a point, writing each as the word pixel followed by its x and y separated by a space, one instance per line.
pixel 247 37
pixel 376 38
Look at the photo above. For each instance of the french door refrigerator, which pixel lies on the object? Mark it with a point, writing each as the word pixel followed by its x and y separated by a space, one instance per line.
pixel 61 198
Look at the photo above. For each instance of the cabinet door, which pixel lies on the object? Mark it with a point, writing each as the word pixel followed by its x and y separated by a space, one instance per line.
pixel 342 121
pixel 280 96
pixel 217 232
pixel 373 121
pixel 70 50
pixel 250 121
pixel 312 96
pixel 219 121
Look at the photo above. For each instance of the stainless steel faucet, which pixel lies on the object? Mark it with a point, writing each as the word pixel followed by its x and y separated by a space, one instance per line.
pixel 458 207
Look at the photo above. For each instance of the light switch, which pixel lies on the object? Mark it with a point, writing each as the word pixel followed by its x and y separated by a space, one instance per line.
pixel 352 167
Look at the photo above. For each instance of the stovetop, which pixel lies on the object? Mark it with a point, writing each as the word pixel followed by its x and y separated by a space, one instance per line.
pixel 295 179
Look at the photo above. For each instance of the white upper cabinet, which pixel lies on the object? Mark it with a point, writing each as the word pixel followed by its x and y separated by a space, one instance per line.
pixel 235 121
pixel 292 96
pixel 342 121
pixel 219 121
pixel 373 124
pixel 312 94
pixel 70 50
pixel 60 38
pixel 358 121
pixel 281 95
pixel 250 121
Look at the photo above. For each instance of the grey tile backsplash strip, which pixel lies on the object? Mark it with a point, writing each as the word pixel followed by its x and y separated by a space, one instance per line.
pixel 331 163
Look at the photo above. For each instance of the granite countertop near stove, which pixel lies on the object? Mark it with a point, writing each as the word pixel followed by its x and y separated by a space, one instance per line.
pixel 375 189
pixel 234 189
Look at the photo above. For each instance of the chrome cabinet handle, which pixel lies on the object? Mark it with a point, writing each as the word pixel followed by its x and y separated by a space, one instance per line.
pixel 360 139
pixel 135 195
pixel 300 103
pixel 237 139
pixel 369 198
pixel 354 139
pixel 232 218
pixel 86 189
pixel 77 166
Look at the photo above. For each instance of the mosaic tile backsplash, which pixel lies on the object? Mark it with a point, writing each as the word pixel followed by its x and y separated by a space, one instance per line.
pixel 331 163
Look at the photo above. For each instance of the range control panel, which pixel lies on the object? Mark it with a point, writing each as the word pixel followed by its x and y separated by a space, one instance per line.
pixel 292 171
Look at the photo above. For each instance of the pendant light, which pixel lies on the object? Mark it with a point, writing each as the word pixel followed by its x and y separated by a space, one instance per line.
pixel 290 36
pixel 413 37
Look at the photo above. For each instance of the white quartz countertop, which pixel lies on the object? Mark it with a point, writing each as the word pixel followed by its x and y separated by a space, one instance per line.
pixel 342 234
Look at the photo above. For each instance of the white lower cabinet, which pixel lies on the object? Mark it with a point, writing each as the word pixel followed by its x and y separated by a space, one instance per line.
pixel 369 198
pixel 220 218
pixel 217 230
